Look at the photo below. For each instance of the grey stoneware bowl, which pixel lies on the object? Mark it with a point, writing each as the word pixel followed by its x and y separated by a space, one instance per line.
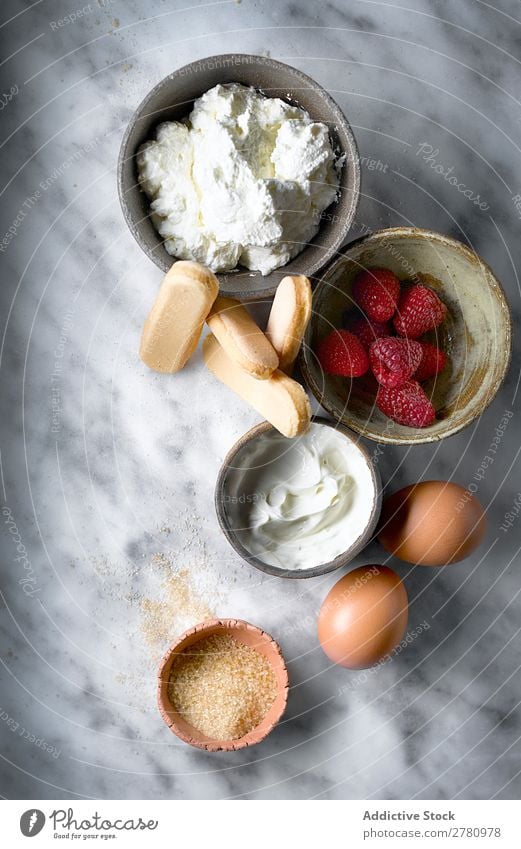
pixel 476 333
pixel 230 521
pixel 172 100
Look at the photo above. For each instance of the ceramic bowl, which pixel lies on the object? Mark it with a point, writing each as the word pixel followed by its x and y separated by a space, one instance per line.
pixel 172 100
pixel 228 496
pixel 250 636
pixel 476 333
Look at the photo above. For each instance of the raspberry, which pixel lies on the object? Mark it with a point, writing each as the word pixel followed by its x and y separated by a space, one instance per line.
pixel 432 362
pixel 419 310
pixel 341 353
pixel 376 291
pixel 407 405
pixel 394 361
pixel 366 330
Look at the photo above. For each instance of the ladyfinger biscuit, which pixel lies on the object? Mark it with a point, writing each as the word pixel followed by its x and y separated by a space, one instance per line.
pixel 243 341
pixel 174 325
pixel 289 317
pixel 281 400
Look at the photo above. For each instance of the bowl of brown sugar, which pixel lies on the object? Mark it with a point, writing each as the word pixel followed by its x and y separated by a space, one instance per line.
pixel 223 685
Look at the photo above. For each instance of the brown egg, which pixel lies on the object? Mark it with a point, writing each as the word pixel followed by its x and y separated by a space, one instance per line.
pixel 432 523
pixel 363 617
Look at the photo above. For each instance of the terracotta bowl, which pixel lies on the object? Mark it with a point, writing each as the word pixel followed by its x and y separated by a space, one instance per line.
pixel 172 100
pixel 227 493
pixel 250 636
pixel 476 333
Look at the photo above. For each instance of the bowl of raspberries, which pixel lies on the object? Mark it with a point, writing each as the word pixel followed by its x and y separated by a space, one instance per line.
pixel 410 337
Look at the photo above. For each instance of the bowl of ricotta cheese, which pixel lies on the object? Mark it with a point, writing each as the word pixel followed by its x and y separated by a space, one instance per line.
pixel 243 164
pixel 298 508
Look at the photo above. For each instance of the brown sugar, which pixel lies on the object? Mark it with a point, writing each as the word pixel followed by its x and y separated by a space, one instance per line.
pixel 221 687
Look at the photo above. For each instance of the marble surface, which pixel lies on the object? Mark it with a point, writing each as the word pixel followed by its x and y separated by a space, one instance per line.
pixel 110 542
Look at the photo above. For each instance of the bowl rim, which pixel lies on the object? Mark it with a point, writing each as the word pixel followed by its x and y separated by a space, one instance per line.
pixel 421 437
pixel 324 568
pixel 207 627
pixel 352 152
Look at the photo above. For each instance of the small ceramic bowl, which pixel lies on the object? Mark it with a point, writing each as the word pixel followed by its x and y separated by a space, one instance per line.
pixel 227 497
pixel 172 100
pixel 476 333
pixel 250 636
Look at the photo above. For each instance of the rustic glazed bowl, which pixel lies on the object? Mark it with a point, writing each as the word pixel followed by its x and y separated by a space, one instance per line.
pixel 250 636
pixel 172 100
pixel 230 522
pixel 476 333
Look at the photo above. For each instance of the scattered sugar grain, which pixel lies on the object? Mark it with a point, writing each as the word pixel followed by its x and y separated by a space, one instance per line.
pixel 178 608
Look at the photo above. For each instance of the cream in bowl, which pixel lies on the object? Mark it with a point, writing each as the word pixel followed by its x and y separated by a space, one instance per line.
pixel 243 180
pixel 298 508
pixel 172 101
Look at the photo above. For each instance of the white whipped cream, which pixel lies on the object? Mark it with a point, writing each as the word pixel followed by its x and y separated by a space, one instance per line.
pixel 299 503
pixel 243 181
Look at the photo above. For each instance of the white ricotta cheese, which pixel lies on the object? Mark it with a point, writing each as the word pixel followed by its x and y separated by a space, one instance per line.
pixel 243 181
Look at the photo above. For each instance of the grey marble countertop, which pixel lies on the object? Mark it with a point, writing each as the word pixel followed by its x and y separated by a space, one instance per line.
pixel 110 542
